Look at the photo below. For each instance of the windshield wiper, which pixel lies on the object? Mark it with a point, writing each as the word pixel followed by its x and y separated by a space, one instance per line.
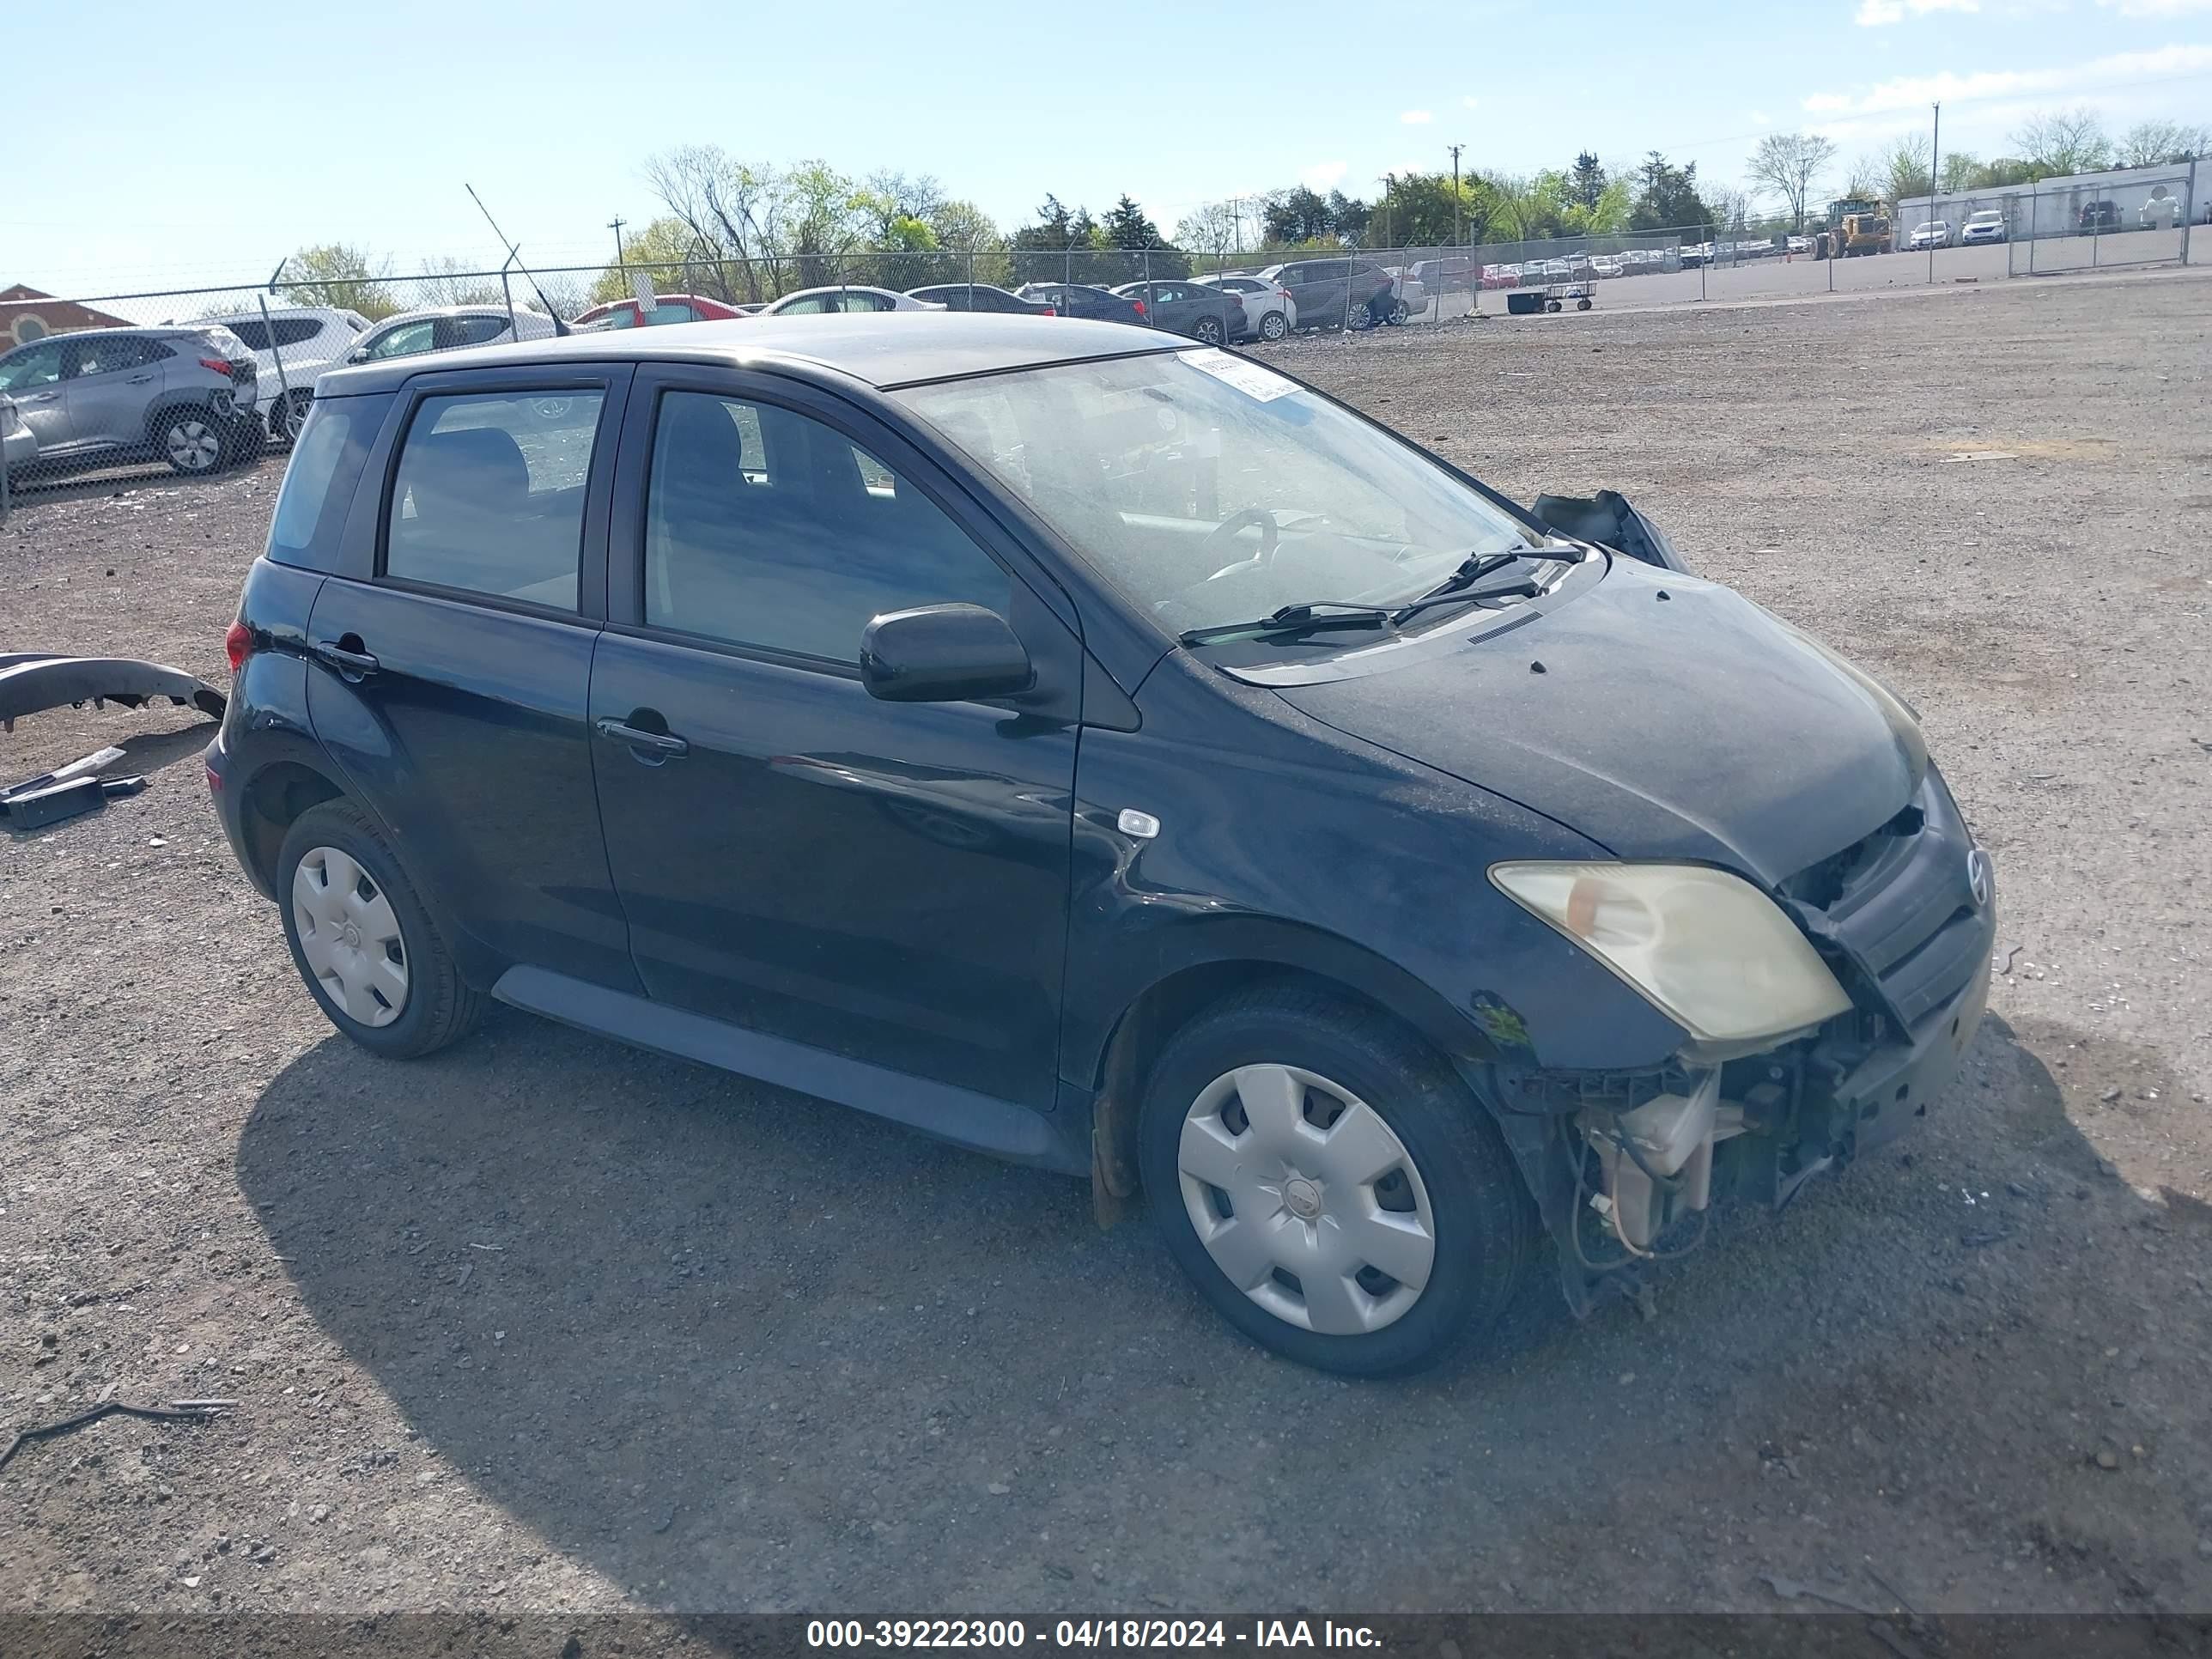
pixel 1296 619
pixel 1472 570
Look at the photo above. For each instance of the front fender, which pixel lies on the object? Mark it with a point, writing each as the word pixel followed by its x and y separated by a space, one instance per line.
pixel 1283 840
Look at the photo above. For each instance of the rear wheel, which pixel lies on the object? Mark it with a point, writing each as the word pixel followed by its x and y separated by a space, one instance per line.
pixel 363 941
pixel 1400 311
pixel 1208 330
pixel 288 414
pixel 1273 325
pixel 1330 1185
pixel 191 440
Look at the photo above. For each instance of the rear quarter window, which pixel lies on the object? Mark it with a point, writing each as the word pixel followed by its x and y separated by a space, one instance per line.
pixel 320 481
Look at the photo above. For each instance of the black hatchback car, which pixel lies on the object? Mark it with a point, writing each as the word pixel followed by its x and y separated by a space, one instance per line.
pixel 1108 754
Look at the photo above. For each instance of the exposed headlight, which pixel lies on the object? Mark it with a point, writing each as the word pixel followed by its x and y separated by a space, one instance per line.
pixel 1710 950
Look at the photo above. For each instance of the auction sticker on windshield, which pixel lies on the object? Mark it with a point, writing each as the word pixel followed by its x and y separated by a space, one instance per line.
pixel 1254 379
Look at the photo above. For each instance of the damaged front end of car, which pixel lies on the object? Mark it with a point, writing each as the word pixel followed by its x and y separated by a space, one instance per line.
pixel 1627 1165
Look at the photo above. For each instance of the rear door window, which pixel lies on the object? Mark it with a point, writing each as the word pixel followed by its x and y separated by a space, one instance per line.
pixel 405 340
pixel 318 484
pixel 489 496
pixel 478 331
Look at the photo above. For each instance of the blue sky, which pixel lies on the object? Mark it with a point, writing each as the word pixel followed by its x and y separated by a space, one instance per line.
pixel 363 129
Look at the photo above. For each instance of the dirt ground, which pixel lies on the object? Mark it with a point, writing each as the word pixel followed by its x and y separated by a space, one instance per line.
pixel 546 1323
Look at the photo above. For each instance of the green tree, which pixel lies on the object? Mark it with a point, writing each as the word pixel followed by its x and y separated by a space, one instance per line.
pixel 1667 198
pixel 1905 169
pixel 2064 141
pixel 2160 144
pixel 1787 164
pixel 1128 228
pixel 1962 171
pixel 339 275
pixel 1349 216
pixel 1297 217
pixel 1586 184
pixel 972 244
pixel 664 250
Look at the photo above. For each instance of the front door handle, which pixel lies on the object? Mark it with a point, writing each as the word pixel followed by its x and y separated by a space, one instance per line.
pixel 138 379
pixel 352 665
pixel 654 746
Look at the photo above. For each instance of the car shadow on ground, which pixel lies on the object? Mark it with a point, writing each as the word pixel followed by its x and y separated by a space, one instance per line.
pixel 740 1350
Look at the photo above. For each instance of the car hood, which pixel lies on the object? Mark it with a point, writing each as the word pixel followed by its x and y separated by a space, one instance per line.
pixel 1673 719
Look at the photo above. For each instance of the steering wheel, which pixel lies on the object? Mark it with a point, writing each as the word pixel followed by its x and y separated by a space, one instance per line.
pixel 1219 536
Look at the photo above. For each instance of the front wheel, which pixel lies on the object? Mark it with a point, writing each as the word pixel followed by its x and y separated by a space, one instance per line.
pixel 1273 326
pixel 1330 1184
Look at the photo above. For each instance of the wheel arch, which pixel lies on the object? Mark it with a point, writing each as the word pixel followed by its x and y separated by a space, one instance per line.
pixel 274 799
pixel 1150 1020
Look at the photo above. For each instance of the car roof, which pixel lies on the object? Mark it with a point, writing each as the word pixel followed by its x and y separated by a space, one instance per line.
pixel 457 311
pixel 881 348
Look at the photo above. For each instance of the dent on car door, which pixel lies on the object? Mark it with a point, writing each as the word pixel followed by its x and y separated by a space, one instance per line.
pixel 883 881
pixel 452 661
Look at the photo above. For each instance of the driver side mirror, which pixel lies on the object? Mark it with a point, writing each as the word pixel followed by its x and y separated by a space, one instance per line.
pixel 943 654
pixel 358 354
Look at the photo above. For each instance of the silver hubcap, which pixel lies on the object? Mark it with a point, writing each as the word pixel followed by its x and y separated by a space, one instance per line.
pixel 1306 1199
pixel 1273 326
pixel 193 445
pixel 350 936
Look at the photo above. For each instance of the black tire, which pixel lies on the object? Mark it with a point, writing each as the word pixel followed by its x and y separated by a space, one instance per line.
pixel 1484 1222
pixel 1398 311
pixel 191 437
pixel 248 440
pixel 1208 332
pixel 1581 305
pixel 440 1007
pixel 1273 326
pixel 287 414
pixel 1550 305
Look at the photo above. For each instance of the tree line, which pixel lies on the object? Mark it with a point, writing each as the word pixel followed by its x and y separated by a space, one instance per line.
pixel 743 231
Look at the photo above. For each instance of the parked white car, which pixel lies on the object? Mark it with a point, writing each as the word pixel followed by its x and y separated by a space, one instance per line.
pixel 309 339
pixel 446 328
pixel 1269 311
pixel 1936 233
pixel 1408 295
pixel 1606 265
pixel 813 302
pixel 1987 226
pixel 2160 212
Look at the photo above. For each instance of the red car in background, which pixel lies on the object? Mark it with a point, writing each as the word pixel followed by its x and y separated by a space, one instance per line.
pixel 666 308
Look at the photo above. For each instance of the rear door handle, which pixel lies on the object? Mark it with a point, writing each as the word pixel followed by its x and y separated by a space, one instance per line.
pixel 139 380
pixel 656 743
pixel 354 665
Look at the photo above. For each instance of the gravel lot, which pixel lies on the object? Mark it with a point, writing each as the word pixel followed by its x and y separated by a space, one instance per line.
pixel 545 1323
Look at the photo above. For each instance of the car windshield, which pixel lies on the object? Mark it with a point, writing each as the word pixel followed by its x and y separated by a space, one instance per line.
pixel 1209 489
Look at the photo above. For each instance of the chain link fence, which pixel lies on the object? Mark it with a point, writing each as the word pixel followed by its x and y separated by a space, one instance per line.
pixel 64 405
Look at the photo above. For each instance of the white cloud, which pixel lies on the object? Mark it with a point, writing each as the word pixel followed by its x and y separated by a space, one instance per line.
pixel 1760 118
pixel 1470 103
pixel 1416 118
pixel 1325 175
pixel 2156 8
pixel 1877 13
pixel 1917 92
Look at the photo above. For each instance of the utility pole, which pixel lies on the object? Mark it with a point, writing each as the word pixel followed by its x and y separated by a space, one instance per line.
pixel 1455 149
pixel 1934 159
pixel 617 227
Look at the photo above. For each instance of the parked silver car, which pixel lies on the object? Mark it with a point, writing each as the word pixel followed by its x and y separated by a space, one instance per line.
pixel 184 394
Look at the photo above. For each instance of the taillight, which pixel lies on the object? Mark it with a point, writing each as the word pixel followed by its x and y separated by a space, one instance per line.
pixel 238 646
pixel 1140 305
pixel 1049 312
pixel 218 366
pixel 1282 294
